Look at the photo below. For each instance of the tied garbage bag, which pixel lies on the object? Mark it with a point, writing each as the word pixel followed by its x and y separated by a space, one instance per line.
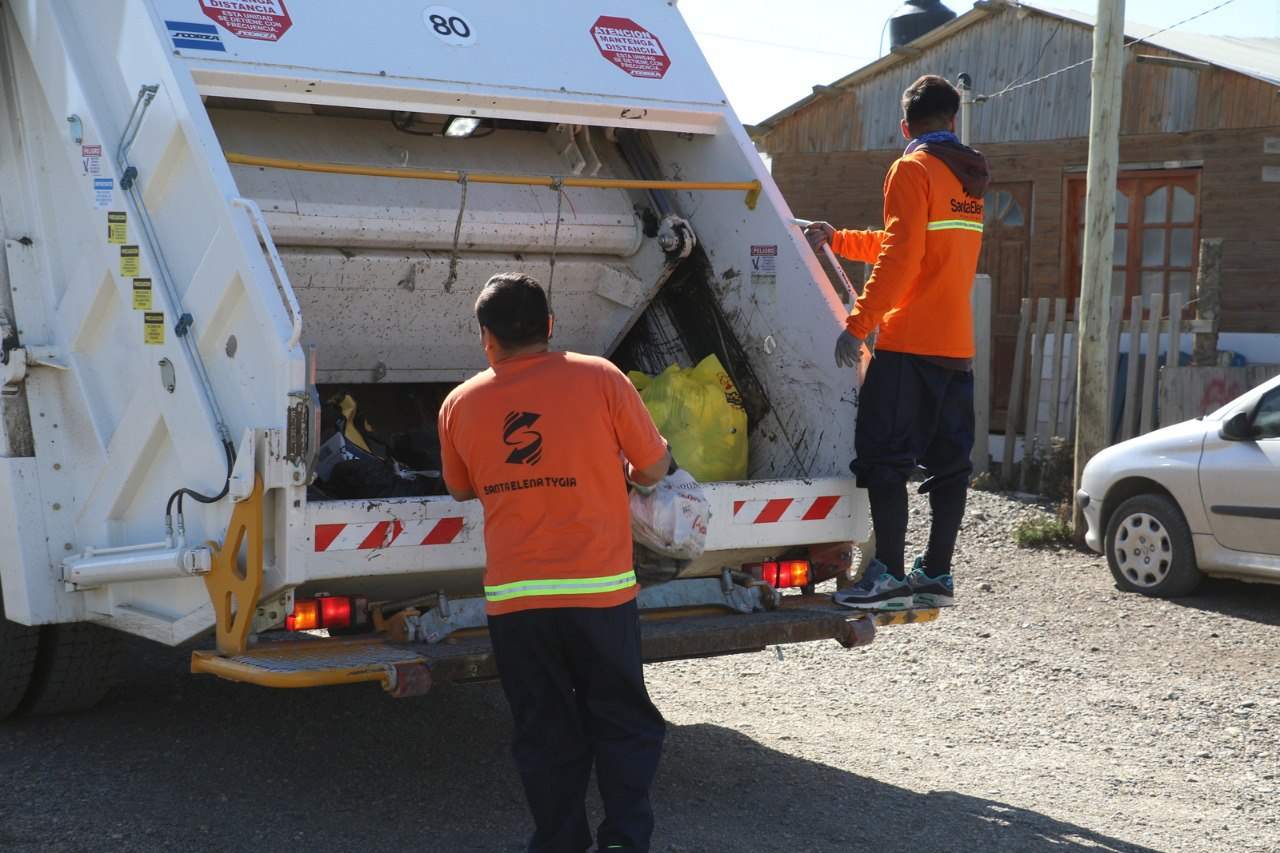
pixel 699 412
pixel 671 518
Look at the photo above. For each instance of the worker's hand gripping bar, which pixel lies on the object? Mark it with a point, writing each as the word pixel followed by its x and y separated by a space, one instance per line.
pixel 832 266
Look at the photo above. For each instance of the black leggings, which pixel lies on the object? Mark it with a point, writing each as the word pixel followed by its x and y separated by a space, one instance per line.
pixel 913 412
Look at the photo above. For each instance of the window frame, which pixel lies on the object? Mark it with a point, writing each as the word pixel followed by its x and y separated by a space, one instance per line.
pixel 1135 185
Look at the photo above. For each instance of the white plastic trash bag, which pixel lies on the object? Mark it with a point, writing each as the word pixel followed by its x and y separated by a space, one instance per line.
pixel 672 519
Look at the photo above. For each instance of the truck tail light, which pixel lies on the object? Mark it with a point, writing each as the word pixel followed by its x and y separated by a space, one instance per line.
pixel 331 612
pixel 780 574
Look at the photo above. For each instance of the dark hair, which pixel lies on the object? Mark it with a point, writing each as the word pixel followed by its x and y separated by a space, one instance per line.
pixel 513 307
pixel 930 104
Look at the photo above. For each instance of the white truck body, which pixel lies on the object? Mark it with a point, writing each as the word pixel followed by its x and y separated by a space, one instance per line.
pixel 114 400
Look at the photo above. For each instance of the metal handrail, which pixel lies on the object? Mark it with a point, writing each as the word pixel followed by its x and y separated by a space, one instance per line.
pixel 283 286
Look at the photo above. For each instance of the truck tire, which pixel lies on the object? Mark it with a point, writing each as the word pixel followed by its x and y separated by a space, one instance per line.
pixel 18 645
pixel 75 667
pixel 1149 548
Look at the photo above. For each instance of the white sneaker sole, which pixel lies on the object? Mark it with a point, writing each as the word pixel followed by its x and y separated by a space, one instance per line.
pixel 931 599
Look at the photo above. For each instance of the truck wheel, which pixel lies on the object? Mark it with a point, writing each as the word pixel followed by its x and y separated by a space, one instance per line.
pixel 75 666
pixel 17 660
pixel 1149 548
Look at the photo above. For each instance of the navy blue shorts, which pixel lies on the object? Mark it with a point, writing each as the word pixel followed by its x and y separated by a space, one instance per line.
pixel 913 412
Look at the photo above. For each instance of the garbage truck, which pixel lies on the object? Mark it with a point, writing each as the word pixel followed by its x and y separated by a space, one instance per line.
pixel 218 215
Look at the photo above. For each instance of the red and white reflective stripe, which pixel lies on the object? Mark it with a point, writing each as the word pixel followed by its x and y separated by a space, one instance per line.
pixel 366 536
pixel 778 510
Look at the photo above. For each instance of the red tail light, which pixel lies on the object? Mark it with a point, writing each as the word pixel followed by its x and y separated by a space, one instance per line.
pixel 331 612
pixel 781 573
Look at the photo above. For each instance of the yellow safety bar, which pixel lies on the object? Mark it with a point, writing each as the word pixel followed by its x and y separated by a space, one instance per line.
pixel 751 188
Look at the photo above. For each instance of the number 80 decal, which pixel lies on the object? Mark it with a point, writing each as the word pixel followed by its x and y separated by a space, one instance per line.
pixel 449 26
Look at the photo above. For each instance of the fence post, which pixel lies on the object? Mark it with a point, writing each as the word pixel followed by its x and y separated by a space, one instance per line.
pixel 1059 349
pixel 1031 430
pixel 1154 322
pixel 1131 373
pixel 1208 291
pixel 981 456
pixel 1015 395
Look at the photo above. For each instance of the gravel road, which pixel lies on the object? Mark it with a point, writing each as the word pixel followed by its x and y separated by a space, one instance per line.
pixel 1046 712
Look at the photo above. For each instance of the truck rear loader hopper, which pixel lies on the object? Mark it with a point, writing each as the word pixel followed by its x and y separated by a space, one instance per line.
pixel 216 218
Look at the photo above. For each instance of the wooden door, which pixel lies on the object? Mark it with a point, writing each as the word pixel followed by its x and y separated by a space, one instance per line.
pixel 1006 252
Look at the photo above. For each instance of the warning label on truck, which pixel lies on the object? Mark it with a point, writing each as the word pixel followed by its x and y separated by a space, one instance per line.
pixel 264 20
pixel 142 294
pixel 153 327
pixel 104 190
pixel 91 159
pixel 130 261
pixel 630 47
pixel 764 266
pixel 117 227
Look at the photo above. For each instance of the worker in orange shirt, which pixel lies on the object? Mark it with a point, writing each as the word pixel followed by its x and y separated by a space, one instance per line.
pixel 916 404
pixel 540 439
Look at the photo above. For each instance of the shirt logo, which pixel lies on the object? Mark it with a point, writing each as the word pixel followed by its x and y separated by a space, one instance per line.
pixel 970 207
pixel 518 432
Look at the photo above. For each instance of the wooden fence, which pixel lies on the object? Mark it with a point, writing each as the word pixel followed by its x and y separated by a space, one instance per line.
pixel 1045 367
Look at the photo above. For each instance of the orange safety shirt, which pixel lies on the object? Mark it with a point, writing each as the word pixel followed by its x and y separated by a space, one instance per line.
pixel 540 439
pixel 925 260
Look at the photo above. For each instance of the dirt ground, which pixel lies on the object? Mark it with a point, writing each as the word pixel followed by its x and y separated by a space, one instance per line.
pixel 1046 712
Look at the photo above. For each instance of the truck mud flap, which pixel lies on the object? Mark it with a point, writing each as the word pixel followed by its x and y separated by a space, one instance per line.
pixel 410 669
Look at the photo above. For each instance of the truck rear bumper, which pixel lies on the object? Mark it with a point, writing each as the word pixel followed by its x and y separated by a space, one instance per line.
pixel 411 669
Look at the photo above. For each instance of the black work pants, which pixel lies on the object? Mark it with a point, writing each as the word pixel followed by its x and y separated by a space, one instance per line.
pixel 913 412
pixel 574 680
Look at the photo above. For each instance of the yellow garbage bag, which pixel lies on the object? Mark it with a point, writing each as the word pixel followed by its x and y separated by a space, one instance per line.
pixel 699 411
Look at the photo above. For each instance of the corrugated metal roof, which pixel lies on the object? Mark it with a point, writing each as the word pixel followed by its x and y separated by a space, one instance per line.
pixel 1254 57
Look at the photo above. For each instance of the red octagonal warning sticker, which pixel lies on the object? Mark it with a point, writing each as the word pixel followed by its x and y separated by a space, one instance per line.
pixel 630 47
pixel 265 20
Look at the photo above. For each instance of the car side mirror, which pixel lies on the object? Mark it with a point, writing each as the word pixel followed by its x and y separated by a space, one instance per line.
pixel 1238 427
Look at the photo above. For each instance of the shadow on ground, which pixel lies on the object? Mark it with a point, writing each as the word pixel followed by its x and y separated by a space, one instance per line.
pixel 174 762
pixel 1256 602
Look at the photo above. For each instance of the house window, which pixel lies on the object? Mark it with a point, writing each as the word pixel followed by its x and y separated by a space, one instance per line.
pixel 1157 237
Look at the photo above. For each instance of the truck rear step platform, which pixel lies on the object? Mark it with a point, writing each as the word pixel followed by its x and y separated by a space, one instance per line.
pixel 411 668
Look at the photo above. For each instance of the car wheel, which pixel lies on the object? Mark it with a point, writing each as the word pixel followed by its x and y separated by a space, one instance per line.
pixel 1149 548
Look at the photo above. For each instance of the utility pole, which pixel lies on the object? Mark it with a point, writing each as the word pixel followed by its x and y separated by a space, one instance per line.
pixel 1093 381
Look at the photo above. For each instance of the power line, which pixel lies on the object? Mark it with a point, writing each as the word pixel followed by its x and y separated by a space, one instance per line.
pixel 1013 88
pixel 794 47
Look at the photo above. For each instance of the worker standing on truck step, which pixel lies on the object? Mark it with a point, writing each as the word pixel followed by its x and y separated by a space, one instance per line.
pixel 916 404
pixel 540 439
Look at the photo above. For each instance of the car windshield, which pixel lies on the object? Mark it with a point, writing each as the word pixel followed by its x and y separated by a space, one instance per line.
pixel 1221 413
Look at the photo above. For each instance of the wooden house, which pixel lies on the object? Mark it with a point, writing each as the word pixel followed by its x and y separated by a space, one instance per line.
pixel 1200 152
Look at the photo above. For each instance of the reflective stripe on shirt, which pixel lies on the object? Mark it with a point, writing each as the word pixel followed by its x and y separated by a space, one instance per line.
pixel 559 586
pixel 955 225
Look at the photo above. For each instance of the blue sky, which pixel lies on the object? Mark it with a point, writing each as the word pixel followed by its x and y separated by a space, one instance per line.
pixel 768 54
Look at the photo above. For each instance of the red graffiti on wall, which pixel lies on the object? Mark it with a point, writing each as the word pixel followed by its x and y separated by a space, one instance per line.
pixel 1218 393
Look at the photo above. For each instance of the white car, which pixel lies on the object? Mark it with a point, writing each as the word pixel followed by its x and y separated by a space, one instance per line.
pixel 1198 498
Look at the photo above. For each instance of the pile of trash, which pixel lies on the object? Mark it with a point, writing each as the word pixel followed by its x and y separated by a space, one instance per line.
pixel 356 462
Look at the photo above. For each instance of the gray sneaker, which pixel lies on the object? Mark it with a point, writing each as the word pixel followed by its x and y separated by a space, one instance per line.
pixel 877 590
pixel 930 591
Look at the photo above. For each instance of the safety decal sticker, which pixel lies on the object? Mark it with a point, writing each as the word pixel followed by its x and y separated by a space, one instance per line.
pixel 264 20
pixel 130 261
pixel 153 328
pixel 117 227
pixel 142 294
pixel 369 536
pixel 630 47
pixel 792 509
pixel 91 160
pixel 195 36
pixel 764 266
pixel 104 190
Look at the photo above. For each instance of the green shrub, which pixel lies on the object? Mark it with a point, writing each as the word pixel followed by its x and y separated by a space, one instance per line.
pixel 1041 532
